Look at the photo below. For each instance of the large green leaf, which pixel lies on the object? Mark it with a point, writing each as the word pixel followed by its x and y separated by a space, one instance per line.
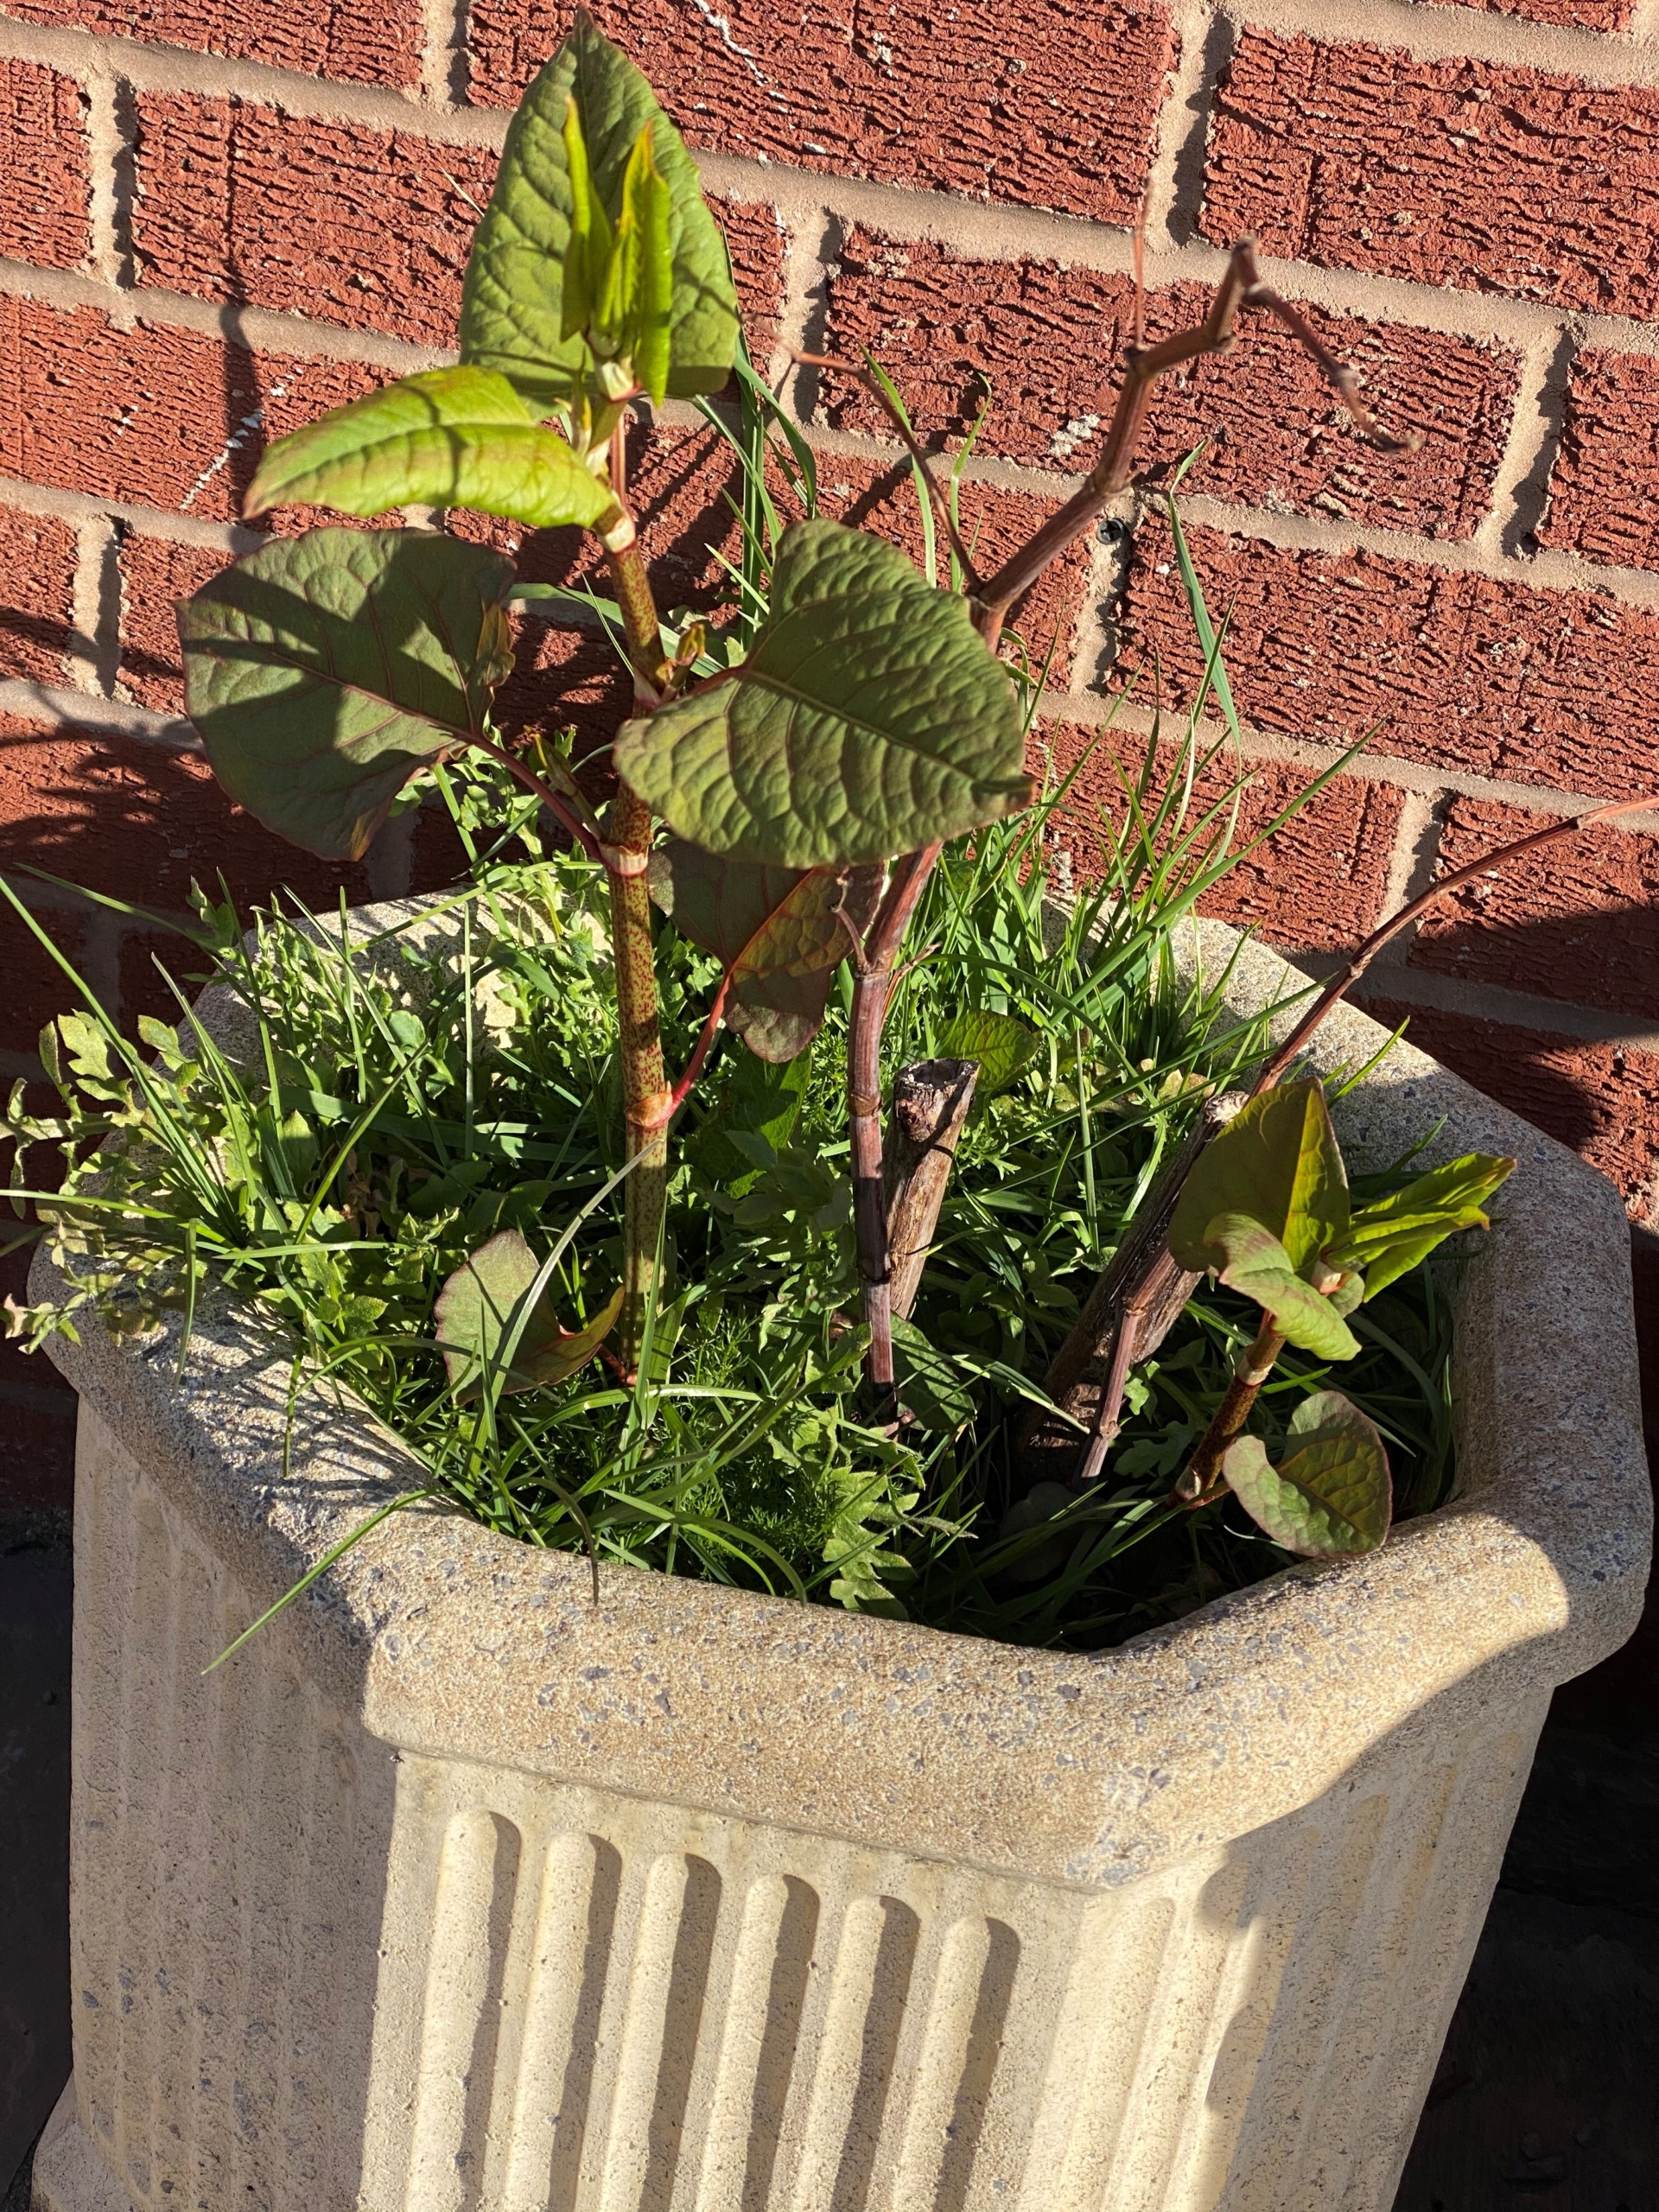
pixel 512 304
pixel 484 1299
pixel 324 670
pixel 1393 1235
pixel 779 933
pixel 1248 1258
pixel 1278 1162
pixel 868 720
pixel 1003 1045
pixel 445 438
pixel 1328 1497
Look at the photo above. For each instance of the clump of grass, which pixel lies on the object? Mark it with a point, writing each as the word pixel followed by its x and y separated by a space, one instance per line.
pixel 381 1102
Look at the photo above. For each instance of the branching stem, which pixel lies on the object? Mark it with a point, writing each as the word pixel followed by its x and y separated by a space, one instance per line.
pixel 1241 286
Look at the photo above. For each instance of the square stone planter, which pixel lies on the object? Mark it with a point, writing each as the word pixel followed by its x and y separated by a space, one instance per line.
pixel 458 1892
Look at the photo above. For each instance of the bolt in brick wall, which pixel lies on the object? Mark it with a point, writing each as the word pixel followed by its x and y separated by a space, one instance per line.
pixel 217 220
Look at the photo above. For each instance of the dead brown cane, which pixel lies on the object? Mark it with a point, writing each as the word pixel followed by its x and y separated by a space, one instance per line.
pixel 1241 287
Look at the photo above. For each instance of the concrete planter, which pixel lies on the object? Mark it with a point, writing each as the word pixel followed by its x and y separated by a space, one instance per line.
pixel 456 1891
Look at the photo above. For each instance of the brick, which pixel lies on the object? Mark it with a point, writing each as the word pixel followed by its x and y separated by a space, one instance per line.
pixel 1462 671
pixel 37 556
pixel 169 418
pixel 379 45
pixel 1049 343
pixel 370 228
pixel 1581 14
pixel 1604 488
pixel 1316 886
pixel 1601 1100
pixel 155 574
pixel 758 239
pixel 1579 920
pixel 1047 106
pixel 139 823
pixel 43 167
pixel 37 989
pixel 1451 172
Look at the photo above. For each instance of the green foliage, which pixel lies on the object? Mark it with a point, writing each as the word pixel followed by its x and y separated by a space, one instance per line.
pixel 323 671
pixel 1395 1234
pixel 1328 1496
pixel 393 1107
pixel 1003 1048
pixel 635 191
pixel 1248 1258
pixel 496 1326
pixel 1278 1162
pixel 455 438
pixel 868 720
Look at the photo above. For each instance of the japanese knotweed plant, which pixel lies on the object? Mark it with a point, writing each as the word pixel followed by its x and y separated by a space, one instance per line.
pixel 805 788
pixel 1265 1208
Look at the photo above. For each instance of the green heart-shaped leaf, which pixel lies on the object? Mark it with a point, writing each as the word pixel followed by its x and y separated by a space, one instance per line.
pixel 931 1384
pixel 1248 1258
pixel 1278 1161
pixel 444 438
pixel 512 315
pixel 1002 1046
pixel 779 933
pixel 1331 1495
pixel 868 720
pixel 484 1299
pixel 1393 1235
pixel 324 670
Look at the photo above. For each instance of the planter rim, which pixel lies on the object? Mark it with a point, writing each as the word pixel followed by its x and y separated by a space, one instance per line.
pixel 444 1638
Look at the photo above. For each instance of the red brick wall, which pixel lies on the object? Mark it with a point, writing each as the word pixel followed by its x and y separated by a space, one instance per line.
pixel 218 219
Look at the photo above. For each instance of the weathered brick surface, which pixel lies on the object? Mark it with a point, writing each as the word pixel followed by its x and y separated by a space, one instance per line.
pixel 1603 489
pixel 1578 920
pixel 1581 14
pixel 1317 885
pixel 757 239
pixel 1603 1100
pixel 1453 172
pixel 1047 104
pixel 155 574
pixel 166 417
pixel 368 227
pixel 43 176
pixel 1460 670
pixel 139 822
pixel 37 582
pixel 1049 343
pixel 379 44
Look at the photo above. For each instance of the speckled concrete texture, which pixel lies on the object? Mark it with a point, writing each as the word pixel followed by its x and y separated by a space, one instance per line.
pixel 458 1889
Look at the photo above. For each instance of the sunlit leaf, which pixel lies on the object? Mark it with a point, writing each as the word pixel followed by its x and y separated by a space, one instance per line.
pixel 483 1299
pixel 930 1385
pixel 455 438
pixel 513 316
pixel 759 1101
pixel 1330 1495
pixel 1393 1235
pixel 324 670
pixel 1277 1161
pixel 1003 1046
pixel 868 720
pixel 1247 1258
